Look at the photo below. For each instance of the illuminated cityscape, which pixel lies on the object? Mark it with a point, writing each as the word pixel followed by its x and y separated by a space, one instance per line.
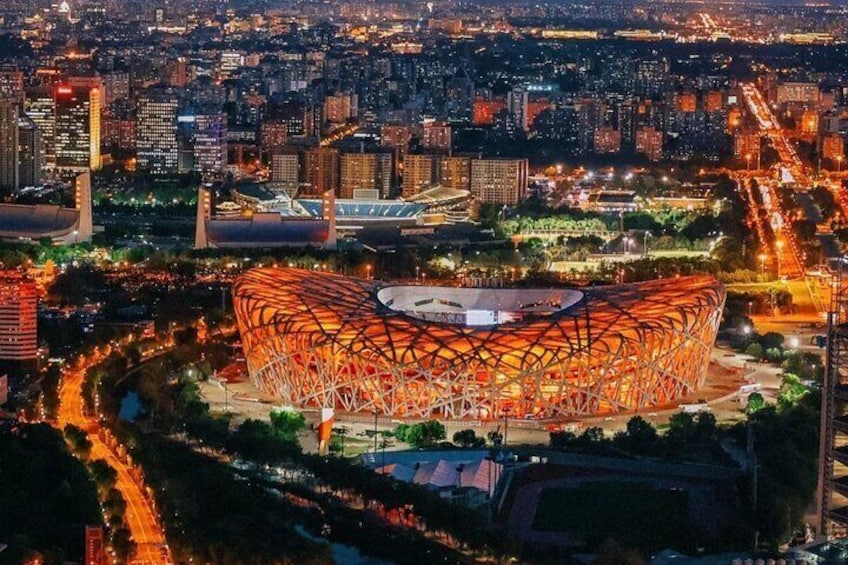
pixel 415 282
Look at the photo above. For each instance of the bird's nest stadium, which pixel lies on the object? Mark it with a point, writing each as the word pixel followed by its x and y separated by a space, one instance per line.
pixel 324 340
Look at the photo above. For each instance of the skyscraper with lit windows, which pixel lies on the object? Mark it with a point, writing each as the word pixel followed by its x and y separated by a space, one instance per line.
pixel 77 141
pixel 156 131
pixel 18 331
pixel 8 144
pixel 210 142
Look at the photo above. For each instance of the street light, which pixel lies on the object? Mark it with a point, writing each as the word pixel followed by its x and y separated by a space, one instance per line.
pixel 376 413
pixel 779 251
pixel 763 258
pixel 839 163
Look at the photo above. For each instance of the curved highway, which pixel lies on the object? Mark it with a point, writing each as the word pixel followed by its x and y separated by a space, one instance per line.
pixel 141 518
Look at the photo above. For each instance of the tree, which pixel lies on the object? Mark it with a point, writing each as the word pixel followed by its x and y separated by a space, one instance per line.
pixel 681 428
pixel 791 390
pixel 808 366
pixel 250 440
pixel 287 423
pixel 401 432
pixel 467 438
pixel 78 440
pixel 754 350
pixel 123 544
pixel 104 476
pixel 706 429
pixel 771 340
pixel 495 437
pixel 755 403
pixel 426 434
pixel 774 354
pixel 640 437
pixel 561 439
pixel 115 504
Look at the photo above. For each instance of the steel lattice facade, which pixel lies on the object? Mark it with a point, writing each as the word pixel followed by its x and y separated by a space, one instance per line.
pixel 324 340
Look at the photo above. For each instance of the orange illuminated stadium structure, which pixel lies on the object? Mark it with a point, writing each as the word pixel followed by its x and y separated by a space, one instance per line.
pixel 324 340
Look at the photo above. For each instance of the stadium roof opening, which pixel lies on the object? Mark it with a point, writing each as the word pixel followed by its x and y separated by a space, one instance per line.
pixel 475 306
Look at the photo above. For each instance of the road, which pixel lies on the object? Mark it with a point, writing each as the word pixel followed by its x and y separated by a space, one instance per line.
pixel 141 518
pixel 794 172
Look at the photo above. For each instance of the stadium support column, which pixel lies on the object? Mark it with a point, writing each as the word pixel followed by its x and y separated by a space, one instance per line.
pixel 204 213
pixel 82 202
pixel 833 438
pixel 329 214
pixel 325 430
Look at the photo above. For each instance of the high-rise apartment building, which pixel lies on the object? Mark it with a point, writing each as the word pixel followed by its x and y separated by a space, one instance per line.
pixel 321 170
pixel 156 131
pixel 396 136
pixel 340 107
pixel 419 173
pixel 499 181
pixel 9 144
pixel 365 171
pixel 210 142
pixel 116 86
pixel 18 321
pixel 285 172
pixel 41 109
pixel 649 141
pixel 518 102
pixel 77 140
pixel 607 140
pixel 455 172
pixel 273 136
pixel 12 86
pixel 437 136
pixel 29 152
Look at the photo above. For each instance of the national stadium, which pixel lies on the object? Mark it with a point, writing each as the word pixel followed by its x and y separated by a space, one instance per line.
pixel 324 340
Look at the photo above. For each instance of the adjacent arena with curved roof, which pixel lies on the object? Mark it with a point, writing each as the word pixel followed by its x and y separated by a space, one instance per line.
pixel 325 340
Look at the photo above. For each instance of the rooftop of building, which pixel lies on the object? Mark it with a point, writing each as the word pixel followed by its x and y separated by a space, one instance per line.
pixel 269 229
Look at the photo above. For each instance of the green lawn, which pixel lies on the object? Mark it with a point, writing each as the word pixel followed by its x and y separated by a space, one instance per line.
pixel 634 514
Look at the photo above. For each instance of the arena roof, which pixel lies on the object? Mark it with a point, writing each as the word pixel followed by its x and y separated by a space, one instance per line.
pixel 439 194
pixel 322 339
pixel 34 222
pixel 266 230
